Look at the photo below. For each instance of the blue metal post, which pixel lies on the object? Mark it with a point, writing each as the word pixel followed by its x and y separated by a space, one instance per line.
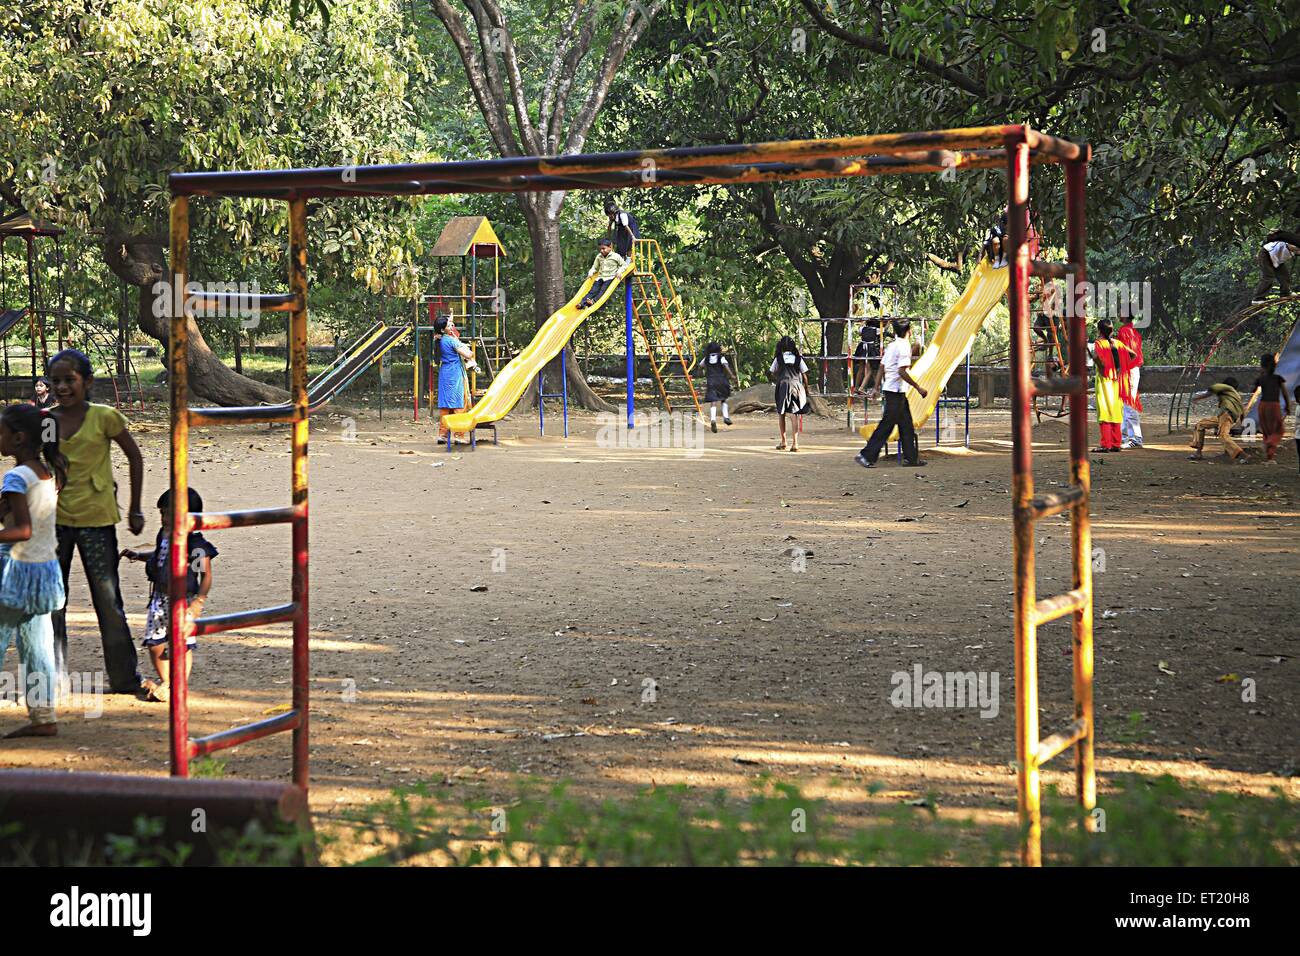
pixel 631 349
pixel 541 401
pixel 968 399
pixel 564 388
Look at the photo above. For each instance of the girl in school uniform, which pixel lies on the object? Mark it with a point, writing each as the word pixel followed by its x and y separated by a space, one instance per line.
pixel 718 375
pixel 790 373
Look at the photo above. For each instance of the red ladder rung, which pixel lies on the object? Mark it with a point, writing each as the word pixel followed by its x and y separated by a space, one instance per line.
pixel 235 736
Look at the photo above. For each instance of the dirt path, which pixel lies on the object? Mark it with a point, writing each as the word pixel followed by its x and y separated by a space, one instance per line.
pixel 644 621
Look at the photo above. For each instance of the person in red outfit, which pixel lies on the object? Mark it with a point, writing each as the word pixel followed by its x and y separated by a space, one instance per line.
pixel 1132 424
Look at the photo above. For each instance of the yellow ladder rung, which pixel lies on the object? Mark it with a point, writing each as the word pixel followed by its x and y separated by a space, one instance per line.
pixel 1053 503
pixel 1049 747
pixel 1049 609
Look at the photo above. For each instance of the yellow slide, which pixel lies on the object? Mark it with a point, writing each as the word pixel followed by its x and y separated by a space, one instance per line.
pixel 951 341
pixel 511 381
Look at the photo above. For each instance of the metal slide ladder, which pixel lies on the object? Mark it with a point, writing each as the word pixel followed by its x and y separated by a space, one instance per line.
pixel 657 310
pixel 1029 611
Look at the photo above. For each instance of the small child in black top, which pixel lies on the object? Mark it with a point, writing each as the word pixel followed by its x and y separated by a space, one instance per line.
pixel 198 582
pixel 718 375
pixel 1272 391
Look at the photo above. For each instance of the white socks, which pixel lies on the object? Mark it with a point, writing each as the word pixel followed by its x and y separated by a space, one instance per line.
pixel 725 413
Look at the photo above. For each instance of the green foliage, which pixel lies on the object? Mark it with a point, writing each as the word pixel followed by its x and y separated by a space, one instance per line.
pixel 1158 822
pixel 1147 822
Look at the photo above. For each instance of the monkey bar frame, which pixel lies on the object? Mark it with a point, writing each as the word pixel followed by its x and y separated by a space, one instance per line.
pixel 1011 147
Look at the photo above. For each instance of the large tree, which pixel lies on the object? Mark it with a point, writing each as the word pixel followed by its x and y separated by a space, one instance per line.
pixel 743 77
pixel 100 100
pixel 539 83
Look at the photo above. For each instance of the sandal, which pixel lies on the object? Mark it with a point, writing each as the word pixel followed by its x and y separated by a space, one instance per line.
pixel 781 447
pixel 155 691
pixel 794 447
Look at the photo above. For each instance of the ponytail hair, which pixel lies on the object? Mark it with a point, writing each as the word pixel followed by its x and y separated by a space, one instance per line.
pixel 41 429
pixel 787 344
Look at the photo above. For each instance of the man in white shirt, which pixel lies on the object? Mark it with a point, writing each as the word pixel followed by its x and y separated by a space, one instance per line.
pixel 896 365
pixel 1279 248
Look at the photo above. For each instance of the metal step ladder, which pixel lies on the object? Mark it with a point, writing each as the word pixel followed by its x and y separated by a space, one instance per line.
pixel 1031 612
pixel 657 311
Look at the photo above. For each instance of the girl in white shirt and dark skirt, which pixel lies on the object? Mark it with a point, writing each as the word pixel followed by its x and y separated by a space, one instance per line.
pixel 791 376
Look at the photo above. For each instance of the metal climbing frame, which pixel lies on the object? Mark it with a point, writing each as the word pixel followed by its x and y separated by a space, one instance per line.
pixel 1013 147
pixel 183 748
pixel 657 310
pixel 1027 508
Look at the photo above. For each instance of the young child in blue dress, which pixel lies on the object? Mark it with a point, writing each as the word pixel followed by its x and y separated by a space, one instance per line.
pixel 198 582
pixel 31 584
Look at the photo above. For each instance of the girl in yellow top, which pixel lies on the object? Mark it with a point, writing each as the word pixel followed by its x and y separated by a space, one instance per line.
pixel 88 514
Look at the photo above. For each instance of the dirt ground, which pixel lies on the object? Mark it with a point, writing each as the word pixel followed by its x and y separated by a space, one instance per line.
pixel 622 617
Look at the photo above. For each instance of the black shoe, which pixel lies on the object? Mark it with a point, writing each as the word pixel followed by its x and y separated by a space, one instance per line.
pixel 863 462
pixel 726 421
pixel 714 427
pixel 915 464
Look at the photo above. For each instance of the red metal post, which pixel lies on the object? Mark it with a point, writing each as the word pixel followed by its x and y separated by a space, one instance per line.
pixel 298 396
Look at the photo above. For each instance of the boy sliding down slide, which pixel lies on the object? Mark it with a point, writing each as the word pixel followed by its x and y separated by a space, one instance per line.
pixel 606 268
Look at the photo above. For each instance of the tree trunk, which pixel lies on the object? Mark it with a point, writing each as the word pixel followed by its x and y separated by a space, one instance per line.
pixel 141 263
pixel 541 210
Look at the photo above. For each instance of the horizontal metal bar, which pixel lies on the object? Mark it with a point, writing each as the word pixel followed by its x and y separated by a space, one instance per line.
pixel 1063 385
pixel 1044 506
pixel 530 172
pixel 243 415
pixel 1049 747
pixel 1049 609
pixel 235 736
pixel 231 622
pixel 243 302
pixel 216 520
pixel 1050 270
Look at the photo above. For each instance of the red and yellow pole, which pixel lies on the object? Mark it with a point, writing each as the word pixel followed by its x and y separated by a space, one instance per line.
pixel 298 466
pixel 1076 174
pixel 1026 651
pixel 178 350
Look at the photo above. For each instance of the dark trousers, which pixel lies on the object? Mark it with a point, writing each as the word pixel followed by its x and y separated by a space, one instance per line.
pixel 898 415
pixel 98 547
pixel 1269 273
pixel 597 290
